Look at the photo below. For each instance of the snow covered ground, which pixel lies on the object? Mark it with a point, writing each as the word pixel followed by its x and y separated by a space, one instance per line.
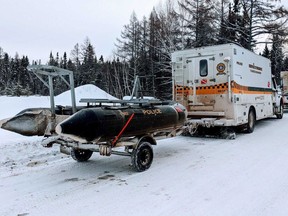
pixel 189 176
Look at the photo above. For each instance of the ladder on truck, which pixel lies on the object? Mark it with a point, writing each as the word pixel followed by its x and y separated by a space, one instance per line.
pixel 179 83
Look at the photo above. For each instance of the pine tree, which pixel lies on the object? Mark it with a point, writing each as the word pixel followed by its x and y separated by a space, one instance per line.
pixel 75 56
pixel 52 60
pixel 6 72
pixel 261 18
pixel 63 61
pixel 202 21
pixel 168 39
pixel 223 31
pixel 2 74
pixel 88 67
pixel 276 57
pixel 266 52
pixel 285 64
pixel 129 49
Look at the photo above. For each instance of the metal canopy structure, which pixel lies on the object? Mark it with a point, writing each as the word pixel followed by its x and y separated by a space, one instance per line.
pixel 51 72
pixel 137 87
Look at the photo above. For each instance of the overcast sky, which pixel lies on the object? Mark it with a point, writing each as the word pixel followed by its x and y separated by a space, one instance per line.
pixel 36 27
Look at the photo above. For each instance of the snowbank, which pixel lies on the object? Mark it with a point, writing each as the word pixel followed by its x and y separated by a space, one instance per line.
pixel 85 91
pixel 10 106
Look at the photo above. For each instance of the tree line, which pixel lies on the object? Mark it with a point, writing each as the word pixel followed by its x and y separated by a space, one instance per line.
pixel 144 46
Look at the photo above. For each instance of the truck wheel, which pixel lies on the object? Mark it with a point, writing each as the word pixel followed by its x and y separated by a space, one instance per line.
pixel 251 121
pixel 142 156
pixel 81 155
pixel 280 114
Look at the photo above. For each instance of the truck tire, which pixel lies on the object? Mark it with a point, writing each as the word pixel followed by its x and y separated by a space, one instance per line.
pixel 142 157
pixel 251 121
pixel 280 114
pixel 81 155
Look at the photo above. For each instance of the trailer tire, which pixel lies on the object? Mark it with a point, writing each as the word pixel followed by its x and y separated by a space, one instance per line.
pixel 81 155
pixel 251 121
pixel 142 157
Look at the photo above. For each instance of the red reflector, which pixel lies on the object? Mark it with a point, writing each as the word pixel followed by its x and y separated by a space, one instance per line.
pixel 204 81
pixel 178 109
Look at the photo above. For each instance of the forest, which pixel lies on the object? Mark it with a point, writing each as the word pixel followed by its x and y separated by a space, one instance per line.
pixel 144 47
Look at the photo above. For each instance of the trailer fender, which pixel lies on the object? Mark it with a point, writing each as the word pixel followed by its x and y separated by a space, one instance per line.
pixel 147 138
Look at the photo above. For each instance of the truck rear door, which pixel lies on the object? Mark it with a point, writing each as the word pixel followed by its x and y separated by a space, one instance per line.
pixel 202 79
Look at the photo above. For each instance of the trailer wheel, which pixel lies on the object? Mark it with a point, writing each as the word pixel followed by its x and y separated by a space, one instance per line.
pixel 251 121
pixel 81 155
pixel 142 156
pixel 280 114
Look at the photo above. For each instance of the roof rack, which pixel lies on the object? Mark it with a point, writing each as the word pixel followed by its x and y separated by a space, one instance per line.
pixel 140 102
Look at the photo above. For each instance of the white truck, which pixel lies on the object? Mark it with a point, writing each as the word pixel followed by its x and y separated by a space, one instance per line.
pixel 284 84
pixel 225 85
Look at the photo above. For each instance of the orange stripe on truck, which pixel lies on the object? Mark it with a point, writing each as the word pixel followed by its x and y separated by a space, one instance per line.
pixel 221 89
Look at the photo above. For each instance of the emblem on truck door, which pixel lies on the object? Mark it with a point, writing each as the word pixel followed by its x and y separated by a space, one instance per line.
pixel 220 68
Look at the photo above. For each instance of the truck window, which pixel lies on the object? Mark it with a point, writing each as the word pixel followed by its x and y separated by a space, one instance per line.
pixel 203 65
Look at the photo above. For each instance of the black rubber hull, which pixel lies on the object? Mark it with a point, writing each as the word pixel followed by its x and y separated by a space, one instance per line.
pixel 106 123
